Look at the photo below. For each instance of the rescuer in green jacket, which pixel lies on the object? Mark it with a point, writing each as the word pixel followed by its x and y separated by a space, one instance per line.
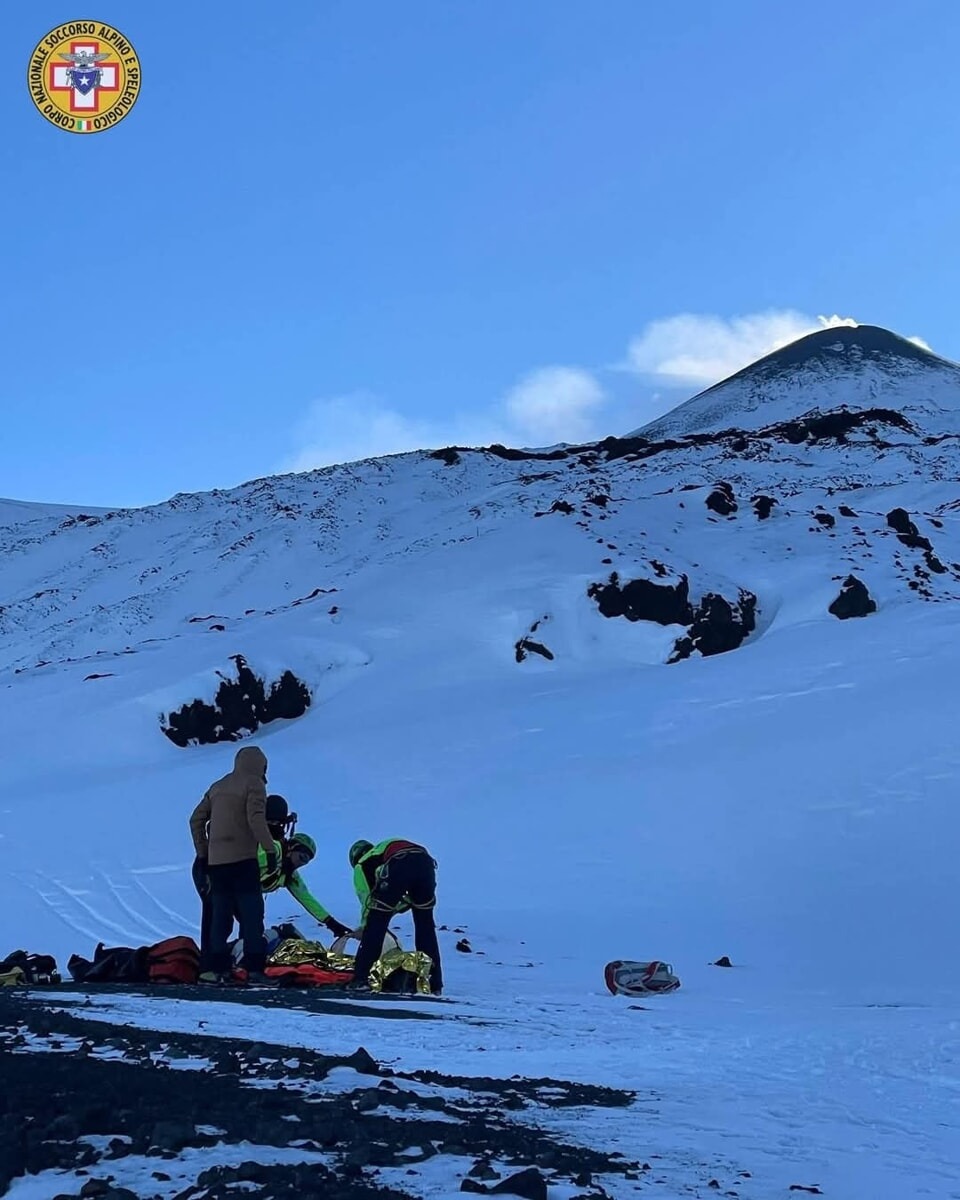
pixel 392 877
pixel 285 872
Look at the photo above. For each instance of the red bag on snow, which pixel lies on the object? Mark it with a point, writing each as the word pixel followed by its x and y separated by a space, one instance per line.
pixel 307 975
pixel 175 960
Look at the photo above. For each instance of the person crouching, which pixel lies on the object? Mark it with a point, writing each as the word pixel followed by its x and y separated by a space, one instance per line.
pixel 391 877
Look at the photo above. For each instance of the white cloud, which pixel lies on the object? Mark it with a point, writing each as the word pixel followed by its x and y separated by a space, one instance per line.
pixel 701 349
pixel 676 355
pixel 555 404
pixel 355 426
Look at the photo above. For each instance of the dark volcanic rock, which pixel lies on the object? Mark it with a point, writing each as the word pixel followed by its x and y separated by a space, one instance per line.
pixel 916 541
pixel 529 1184
pixel 527 646
pixel 715 625
pixel 722 500
pixel 762 506
pixel 834 426
pixel 558 506
pixel 152 1106
pixel 899 520
pixel 718 626
pixel 934 563
pixel 853 601
pixel 240 707
pixel 643 600
pixel 826 519
pixel 173 1135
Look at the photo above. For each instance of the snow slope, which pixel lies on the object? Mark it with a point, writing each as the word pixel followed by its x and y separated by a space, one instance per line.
pixel 859 367
pixel 791 803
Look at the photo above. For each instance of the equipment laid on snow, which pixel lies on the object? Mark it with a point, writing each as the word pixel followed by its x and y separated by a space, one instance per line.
pixel 21 968
pixel 300 963
pixel 274 935
pixel 624 977
pixel 390 942
pixel 175 960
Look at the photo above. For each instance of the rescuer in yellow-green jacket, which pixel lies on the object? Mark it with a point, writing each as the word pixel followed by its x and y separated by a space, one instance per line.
pixel 284 871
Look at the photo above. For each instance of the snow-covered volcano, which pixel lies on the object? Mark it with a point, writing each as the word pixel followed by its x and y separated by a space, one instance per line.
pixel 655 697
pixel 853 367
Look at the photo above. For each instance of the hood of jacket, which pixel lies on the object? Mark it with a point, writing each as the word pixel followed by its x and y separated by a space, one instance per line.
pixel 251 760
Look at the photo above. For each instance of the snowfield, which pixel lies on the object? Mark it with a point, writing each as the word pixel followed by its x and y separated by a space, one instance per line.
pixel 791 803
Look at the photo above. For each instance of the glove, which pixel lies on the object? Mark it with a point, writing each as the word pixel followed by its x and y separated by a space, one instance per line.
pixel 201 878
pixel 337 928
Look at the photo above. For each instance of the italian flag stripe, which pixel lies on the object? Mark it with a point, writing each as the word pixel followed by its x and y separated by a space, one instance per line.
pixel 83 125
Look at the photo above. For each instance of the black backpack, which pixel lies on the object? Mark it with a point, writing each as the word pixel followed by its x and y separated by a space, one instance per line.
pixel 111 964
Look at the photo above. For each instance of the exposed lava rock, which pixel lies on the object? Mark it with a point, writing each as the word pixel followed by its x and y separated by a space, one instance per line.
pixel 527 646
pixel 643 600
pixel 718 626
pixel 447 455
pixel 240 707
pixel 834 426
pixel 601 500
pixel 934 563
pixel 846 511
pixel 826 519
pixel 525 455
pixel 49 1100
pixel 558 506
pixel 853 601
pixel 722 500
pixel 528 1184
pixel 715 625
pixel 899 520
pixel 762 506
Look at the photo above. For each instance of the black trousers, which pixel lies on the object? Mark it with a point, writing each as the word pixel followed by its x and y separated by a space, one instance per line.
pixel 200 880
pixel 234 893
pixel 410 877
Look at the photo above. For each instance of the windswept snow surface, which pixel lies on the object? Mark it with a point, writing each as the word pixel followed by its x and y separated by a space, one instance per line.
pixel 791 804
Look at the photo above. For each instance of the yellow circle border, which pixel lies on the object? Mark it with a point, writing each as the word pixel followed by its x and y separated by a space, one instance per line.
pixel 44 55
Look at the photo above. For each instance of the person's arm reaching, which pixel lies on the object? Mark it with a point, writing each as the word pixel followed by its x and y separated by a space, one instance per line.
pixel 302 894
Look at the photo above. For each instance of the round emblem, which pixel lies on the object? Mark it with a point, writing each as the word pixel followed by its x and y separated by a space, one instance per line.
pixel 84 76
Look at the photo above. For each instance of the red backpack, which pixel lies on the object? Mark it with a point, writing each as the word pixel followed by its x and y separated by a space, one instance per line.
pixel 176 960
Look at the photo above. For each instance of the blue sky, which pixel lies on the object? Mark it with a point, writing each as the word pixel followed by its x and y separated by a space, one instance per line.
pixel 333 229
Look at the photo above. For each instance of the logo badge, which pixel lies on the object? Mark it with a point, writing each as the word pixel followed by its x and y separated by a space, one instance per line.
pixel 84 77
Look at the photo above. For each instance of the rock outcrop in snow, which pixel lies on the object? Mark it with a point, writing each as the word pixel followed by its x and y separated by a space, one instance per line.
pixel 853 600
pixel 776 486
pixel 715 625
pixel 239 708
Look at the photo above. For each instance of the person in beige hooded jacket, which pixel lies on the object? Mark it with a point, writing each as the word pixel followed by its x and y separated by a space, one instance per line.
pixel 228 827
